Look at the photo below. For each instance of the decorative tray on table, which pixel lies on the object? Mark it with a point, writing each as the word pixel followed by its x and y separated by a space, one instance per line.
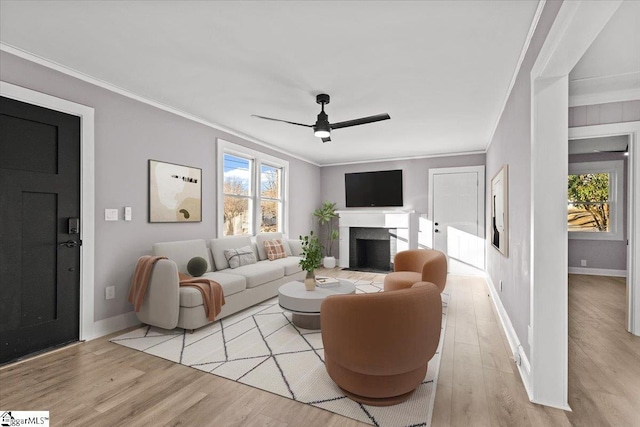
pixel 327 282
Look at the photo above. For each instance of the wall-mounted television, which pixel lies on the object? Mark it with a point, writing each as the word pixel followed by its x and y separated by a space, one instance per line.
pixel 373 189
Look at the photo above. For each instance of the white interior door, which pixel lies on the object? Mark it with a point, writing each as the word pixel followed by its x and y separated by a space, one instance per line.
pixel 457 201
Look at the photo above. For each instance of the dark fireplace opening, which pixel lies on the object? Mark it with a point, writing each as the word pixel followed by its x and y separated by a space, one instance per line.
pixel 372 249
pixel 373 255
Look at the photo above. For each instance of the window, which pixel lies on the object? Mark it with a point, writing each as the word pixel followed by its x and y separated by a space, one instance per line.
pixel 237 199
pixel 252 191
pixel 271 198
pixel 594 200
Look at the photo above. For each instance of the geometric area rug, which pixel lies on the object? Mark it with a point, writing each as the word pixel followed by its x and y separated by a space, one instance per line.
pixel 260 347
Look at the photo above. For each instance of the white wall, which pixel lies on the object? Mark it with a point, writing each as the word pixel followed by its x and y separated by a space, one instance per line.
pixel 511 144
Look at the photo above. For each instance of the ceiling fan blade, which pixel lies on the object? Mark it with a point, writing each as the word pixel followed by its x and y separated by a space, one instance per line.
pixel 327 139
pixel 362 121
pixel 284 121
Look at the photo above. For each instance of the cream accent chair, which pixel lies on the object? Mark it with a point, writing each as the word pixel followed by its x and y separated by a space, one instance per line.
pixel 417 265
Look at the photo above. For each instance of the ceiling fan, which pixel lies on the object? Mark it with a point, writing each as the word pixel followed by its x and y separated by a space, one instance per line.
pixel 322 128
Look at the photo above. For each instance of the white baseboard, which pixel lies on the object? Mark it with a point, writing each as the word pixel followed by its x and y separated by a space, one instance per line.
pixel 114 324
pixel 524 367
pixel 597 271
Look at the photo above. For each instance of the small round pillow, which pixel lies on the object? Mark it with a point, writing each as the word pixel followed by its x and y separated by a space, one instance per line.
pixel 197 266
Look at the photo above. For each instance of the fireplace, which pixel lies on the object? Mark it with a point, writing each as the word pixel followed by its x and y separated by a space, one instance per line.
pixel 385 233
pixel 372 249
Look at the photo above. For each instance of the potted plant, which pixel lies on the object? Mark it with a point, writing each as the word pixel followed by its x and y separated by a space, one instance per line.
pixel 311 258
pixel 325 215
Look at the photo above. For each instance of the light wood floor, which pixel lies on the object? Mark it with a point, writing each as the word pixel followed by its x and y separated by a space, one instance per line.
pixel 99 383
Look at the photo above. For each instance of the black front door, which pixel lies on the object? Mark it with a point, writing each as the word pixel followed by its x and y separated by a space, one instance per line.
pixel 39 253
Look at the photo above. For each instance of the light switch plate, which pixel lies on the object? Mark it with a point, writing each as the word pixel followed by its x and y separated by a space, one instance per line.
pixel 110 292
pixel 127 213
pixel 111 214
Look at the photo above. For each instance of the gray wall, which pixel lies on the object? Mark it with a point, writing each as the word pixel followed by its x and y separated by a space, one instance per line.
pixel 600 114
pixel 127 134
pixel 607 254
pixel 511 145
pixel 415 179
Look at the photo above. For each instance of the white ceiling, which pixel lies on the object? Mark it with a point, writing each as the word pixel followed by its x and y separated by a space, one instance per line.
pixel 441 69
pixel 611 65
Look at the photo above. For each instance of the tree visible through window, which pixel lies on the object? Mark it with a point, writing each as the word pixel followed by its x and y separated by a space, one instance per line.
pixel 253 191
pixel 589 202
pixel 237 195
pixel 271 199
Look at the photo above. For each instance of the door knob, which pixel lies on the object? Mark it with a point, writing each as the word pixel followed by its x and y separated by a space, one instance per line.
pixel 436 230
pixel 436 223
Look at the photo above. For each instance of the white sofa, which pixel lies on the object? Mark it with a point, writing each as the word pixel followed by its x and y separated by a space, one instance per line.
pixel 167 305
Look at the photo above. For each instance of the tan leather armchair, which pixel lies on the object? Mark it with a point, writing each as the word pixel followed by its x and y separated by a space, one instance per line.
pixel 377 346
pixel 417 265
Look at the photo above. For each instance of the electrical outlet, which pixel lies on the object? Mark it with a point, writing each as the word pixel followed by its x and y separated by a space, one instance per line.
pixel 500 285
pixel 110 292
pixel 583 262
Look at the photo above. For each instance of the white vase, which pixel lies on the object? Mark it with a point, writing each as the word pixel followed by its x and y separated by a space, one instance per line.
pixel 329 262
pixel 310 281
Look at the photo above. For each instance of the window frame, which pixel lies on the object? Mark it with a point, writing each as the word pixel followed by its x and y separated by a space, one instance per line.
pixel 257 159
pixel 615 169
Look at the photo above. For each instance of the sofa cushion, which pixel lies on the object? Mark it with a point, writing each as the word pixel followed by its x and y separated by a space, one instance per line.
pixel 239 257
pixel 275 249
pixel 296 246
pixel 182 251
pixel 260 273
pixel 231 284
pixel 289 263
pixel 262 237
pixel 232 242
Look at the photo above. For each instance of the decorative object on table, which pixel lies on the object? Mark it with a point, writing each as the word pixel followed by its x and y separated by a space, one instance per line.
pixel 311 258
pixel 327 282
pixel 499 231
pixel 175 193
pixel 197 266
pixel 326 215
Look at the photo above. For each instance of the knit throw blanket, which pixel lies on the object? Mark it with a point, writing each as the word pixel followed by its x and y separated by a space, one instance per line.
pixel 211 291
pixel 212 294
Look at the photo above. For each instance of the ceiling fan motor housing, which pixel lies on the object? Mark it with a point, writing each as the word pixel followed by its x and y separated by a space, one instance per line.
pixel 322 99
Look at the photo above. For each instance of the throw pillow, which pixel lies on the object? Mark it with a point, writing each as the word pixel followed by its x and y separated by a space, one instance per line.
pixel 197 266
pixel 239 257
pixel 275 249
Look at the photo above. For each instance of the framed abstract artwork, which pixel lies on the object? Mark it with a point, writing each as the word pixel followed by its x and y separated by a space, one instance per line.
pixel 175 193
pixel 499 229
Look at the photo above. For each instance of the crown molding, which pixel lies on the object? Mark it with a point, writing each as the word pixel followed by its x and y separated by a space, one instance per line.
pixel 395 159
pixel 4 47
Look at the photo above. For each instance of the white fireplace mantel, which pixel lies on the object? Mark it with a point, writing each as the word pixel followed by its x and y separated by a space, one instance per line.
pixel 405 221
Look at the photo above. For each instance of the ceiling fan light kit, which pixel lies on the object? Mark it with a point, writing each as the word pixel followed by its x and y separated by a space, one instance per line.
pixel 322 128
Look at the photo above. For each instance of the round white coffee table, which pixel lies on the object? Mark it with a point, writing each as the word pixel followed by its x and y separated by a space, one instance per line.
pixel 304 305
